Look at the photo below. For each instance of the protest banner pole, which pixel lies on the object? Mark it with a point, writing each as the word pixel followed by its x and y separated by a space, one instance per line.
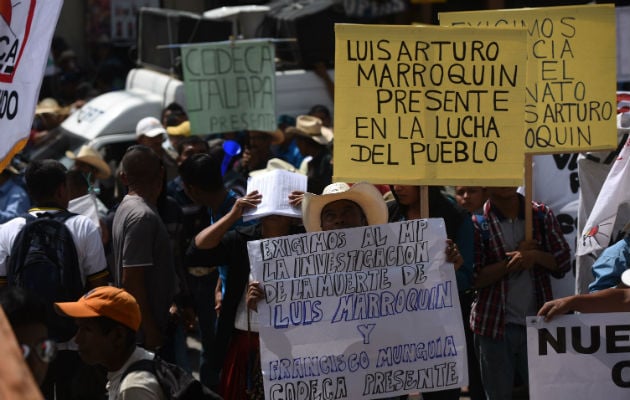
pixel 253 40
pixel 424 201
pixel 529 188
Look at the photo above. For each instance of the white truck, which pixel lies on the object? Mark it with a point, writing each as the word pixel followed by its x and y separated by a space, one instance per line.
pixel 108 121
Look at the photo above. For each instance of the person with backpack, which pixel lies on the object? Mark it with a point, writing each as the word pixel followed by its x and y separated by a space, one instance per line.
pixel 512 278
pixel 55 254
pixel 46 185
pixel 109 319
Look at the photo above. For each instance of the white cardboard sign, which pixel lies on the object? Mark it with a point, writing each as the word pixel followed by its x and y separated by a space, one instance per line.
pixel 368 312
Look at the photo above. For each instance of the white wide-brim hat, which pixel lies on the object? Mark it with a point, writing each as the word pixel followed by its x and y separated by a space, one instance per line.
pixel 274 164
pixel 364 194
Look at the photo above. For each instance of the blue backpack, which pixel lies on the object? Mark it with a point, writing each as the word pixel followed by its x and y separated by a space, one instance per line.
pixel 44 261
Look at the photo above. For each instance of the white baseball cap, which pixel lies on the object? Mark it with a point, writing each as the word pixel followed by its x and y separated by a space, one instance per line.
pixel 150 127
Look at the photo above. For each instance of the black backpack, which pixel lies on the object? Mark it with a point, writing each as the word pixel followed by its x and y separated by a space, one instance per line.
pixel 176 383
pixel 44 260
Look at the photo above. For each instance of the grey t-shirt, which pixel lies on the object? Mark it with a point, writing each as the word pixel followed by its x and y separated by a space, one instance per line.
pixel 521 298
pixel 140 239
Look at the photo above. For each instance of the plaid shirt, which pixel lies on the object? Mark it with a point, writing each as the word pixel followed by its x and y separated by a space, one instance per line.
pixel 487 316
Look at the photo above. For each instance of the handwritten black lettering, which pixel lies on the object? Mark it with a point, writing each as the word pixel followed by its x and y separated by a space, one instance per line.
pixel 458 151
pixel 437 376
pixel 315 366
pixel 364 306
pixel 439 347
pixel 327 388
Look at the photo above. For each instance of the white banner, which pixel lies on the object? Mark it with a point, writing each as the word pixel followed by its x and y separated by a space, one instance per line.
pixel 581 356
pixel 615 192
pixel 26 29
pixel 369 312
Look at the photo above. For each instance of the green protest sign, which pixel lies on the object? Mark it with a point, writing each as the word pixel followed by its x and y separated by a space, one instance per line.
pixel 230 86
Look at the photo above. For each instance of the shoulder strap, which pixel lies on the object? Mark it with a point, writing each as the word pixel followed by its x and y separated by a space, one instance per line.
pixel 140 365
pixel 483 225
pixel 61 216
pixel 28 217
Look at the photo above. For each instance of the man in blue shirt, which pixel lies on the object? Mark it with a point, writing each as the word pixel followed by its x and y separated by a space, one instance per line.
pixel 203 183
pixel 14 200
pixel 609 266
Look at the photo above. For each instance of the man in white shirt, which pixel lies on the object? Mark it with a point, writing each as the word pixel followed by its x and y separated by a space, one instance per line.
pixel 46 185
pixel 108 319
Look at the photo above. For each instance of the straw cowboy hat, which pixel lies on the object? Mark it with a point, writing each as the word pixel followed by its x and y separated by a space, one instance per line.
pixel 364 194
pixel 90 156
pixel 47 106
pixel 312 128
pixel 273 164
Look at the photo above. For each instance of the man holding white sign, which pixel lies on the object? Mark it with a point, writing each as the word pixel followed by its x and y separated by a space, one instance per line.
pixel 368 284
pixel 219 245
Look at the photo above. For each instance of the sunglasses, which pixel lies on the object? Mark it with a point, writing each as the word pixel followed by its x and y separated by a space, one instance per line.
pixel 46 350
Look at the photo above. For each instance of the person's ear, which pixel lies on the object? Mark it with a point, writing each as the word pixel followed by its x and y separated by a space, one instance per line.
pixel 118 336
pixel 190 190
pixel 123 178
pixel 62 194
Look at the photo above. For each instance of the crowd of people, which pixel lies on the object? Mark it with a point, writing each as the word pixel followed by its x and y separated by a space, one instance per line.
pixel 165 255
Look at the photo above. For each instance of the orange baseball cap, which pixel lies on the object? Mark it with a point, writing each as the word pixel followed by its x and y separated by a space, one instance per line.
pixel 104 301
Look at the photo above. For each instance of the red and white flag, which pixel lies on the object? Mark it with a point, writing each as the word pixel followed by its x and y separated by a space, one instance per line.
pixel 26 30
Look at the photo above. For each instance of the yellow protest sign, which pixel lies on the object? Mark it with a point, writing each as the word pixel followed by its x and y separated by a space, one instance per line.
pixel 570 96
pixel 429 105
